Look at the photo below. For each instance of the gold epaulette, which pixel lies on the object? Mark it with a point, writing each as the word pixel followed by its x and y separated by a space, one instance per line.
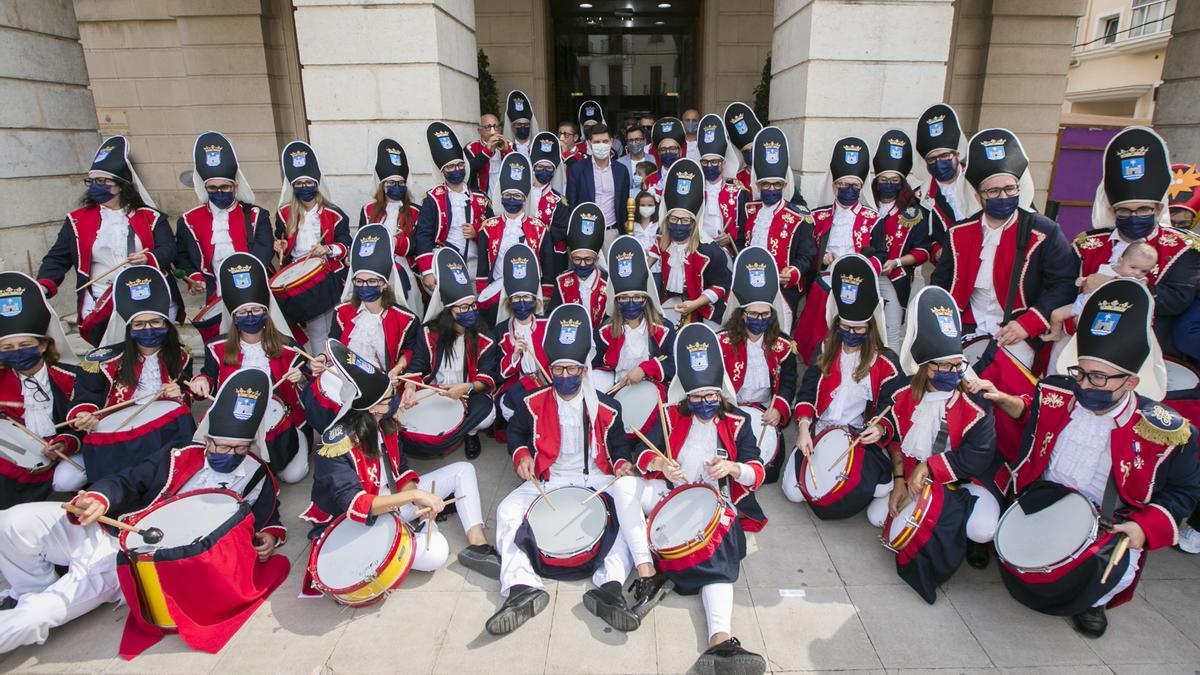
pixel 1162 425
pixel 910 217
pixel 335 442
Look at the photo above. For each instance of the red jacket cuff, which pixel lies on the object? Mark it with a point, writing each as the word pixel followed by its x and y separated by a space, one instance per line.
pixel 407 477
pixel 425 263
pixel 81 408
pixel 645 459
pixel 50 286
pixel 940 469
pixel 520 454
pixel 280 533
pixel 74 520
pixel 360 507
pixel 1158 524
pixel 1033 322
pixel 70 443
pixel 653 369
pixel 781 406
pixel 805 409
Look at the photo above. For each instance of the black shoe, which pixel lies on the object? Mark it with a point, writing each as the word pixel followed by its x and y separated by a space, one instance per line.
pixel 523 603
pixel 978 554
pixel 481 558
pixel 728 658
pixel 648 592
pixel 472 446
pixel 608 603
pixel 1091 622
pixel 8 603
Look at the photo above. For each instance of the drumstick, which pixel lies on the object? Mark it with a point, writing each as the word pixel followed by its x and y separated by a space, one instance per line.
pixel 151 535
pixel 427 509
pixel 429 530
pixel 538 484
pixel 12 404
pixel 139 410
pixel 650 446
pixel 115 406
pixel 421 385
pixel 106 273
pixel 857 440
pixel 597 492
pixel 1117 554
pixel 41 440
pixel 662 415
pixel 617 387
pixel 541 368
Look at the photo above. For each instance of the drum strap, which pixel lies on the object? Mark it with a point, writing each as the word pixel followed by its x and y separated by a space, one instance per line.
pixel 722 453
pixel 941 443
pixel 249 225
pixel 388 473
pixel 257 478
pixel 1108 505
pixel 587 438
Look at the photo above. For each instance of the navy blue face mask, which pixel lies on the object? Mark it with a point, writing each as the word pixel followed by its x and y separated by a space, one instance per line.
pixel 851 339
pixel 221 200
pixel 100 193
pixel 395 191
pixel 667 158
pixel 757 325
pixel 543 176
pixel 468 318
pixel 251 323
pixel 456 177
pixel 567 385
pixel 522 133
pixel 1095 400
pixel 522 309
pixel 703 409
pixel 888 190
pixel 583 271
pixel 711 173
pixel 368 293
pixel 632 309
pixel 306 193
pixel 224 462
pixel 1001 208
pixel 512 205
pixel 25 358
pixel 748 155
pixel 943 381
pixel 942 169
pixel 149 337
pixel 393 406
pixel 771 196
pixel 847 196
pixel 1135 227
pixel 679 231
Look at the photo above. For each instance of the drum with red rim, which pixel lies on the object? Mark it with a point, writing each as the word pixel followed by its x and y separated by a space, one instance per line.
pixel 358 564
pixel 308 288
pixel 91 326
pixel 844 474
pixel 208 320
pixel 433 419
pixel 567 533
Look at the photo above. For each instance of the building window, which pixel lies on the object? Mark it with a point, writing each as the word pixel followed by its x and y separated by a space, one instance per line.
pixel 1151 16
pixel 1108 28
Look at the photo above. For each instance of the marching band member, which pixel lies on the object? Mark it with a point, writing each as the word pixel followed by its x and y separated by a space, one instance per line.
pixel 584 282
pixel 38 371
pixel 668 139
pixel 563 434
pixel 1183 198
pixel 520 330
pixel 225 222
pixel 904 225
pixel 309 225
pixel 708 441
pixel 845 226
pixel 37 537
pixel 947 194
pixel 694 269
pixel 520 124
pixel 393 207
pixel 845 385
pixel 1101 431
pixel 645 230
pixel 498 233
pixel 256 336
pixel 937 432
pixel 362 471
pixel 457 353
pixel 143 360
pixel 546 198
pixel 742 125
pixel 724 199
pixel 451 212
pixel 117 225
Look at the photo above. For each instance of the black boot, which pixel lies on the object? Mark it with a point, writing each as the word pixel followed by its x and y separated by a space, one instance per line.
pixel 648 592
pixel 1091 622
pixel 978 554
pixel 481 558
pixel 608 603
pixel 523 603
pixel 729 658
pixel 472 446
pixel 8 603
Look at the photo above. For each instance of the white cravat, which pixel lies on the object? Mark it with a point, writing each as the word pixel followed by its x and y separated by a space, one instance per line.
pixel 926 422
pixel 714 224
pixel 635 350
pixel 220 239
pixel 150 379
pixel 524 331
pixel 457 202
pixel 841 233
pixel 569 463
pixel 1118 247
pixel 677 257
pixel 308 234
pixel 699 448
pixel 647 236
pixel 235 481
pixel 950 192
pixel 762 225
pixel 1082 455
pixel 254 356
pixel 756 387
pixel 367 337
pixel 110 249
pixel 511 235
pixel 985 305
pixel 391 216
pixel 849 401
pixel 39 415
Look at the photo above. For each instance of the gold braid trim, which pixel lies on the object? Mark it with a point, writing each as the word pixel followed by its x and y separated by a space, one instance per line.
pixel 1156 434
pixel 337 448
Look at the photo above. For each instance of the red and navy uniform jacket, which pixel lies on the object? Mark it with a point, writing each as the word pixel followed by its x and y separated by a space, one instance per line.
pixel 556 213
pixel 905 233
pixel 97 386
pixel 62 388
pixel 133 490
pixel 705 269
pixel 789 240
pixel 1172 282
pixel 482 366
pixel 533 431
pixel 816 388
pixel 405 243
pixel 249 228
pixel 659 368
pixel 1155 463
pixel 1047 278
pixel 863 233
pixel 77 236
pixel 215 372
pixel 734 431
pixel 781 364
pixel 566 289
pixel 941 215
pixel 971 430
pixel 433 223
pixel 743 177
pixel 401 331
pixel 491 235
pixel 335 233
pixel 732 200
pixel 653 183
pixel 479 156
pixel 346 481
pixel 510 357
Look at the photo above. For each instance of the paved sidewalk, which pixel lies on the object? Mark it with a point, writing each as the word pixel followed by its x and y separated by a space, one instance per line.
pixel 852 613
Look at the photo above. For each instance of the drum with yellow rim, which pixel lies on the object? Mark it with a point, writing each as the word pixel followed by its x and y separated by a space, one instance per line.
pixel 688 525
pixel 900 531
pixel 358 564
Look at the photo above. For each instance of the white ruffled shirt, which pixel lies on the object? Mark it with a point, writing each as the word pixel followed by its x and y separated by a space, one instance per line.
pixel 524 331
pixel 254 356
pixel 110 249
pixel 458 218
pixel 848 403
pixel 926 422
pixel 451 371
pixel 308 234
pixel 634 350
pixel 985 304
pixel 237 480
pixel 841 232
pixel 150 380
pixel 647 236
pixel 220 239
pixel 762 224
pixel 512 235
pixel 39 415
pixel 756 386
pixel 699 448
pixel 950 192
pixel 569 463
pixel 391 216
pixel 714 224
pixel 1082 456
pixel 676 279
pixel 367 340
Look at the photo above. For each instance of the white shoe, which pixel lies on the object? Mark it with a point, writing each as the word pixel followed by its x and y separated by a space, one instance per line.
pixel 1189 540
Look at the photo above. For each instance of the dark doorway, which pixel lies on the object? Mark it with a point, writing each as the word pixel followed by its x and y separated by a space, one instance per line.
pixel 634 57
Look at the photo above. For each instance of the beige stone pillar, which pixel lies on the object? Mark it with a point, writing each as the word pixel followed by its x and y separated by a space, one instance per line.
pixel 842 69
pixel 736 38
pixel 375 68
pixel 47 126
pixel 1177 111
pixel 515 35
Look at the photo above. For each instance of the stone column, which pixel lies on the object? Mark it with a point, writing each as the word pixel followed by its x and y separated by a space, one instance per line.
pixel 1177 111
pixel 514 34
pixel 737 40
pixel 47 126
pixel 375 68
pixel 842 69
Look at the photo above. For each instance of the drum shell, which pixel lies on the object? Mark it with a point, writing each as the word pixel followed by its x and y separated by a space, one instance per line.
pixel 1071 588
pixel 314 296
pixel 417 443
pixel 208 320
pixel 936 550
pixel 577 567
pixel 868 468
pixel 92 326
pixel 25 464
pixel 389 575
pixel 700 548
pixel 107 453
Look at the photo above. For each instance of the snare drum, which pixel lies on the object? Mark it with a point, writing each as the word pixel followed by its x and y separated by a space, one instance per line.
pixel 358 564
pixel 929 537
pixel 900 531
pixel 1181 375
pixel 92 326
pixel 13 441
pixel 844 474
pixel 208 320
pixel 973 348
pixel 639 404
pixel 115 444
pixel 670 314
pixel 307 288
pixel 1044 541
pixel 431 421
pixel 768 441
pixel 568 540
pixel 687 526
pixel 285 439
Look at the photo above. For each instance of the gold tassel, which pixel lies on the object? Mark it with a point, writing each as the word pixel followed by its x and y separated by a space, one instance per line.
pixel 1156 434
pixel 909 223
pixel 337 448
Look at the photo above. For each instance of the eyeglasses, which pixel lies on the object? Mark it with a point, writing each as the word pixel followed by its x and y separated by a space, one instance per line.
pixel 522 126
pixel 257 311
pixel 949 367
pixel 888 180
pixel 857 330
pixel 393 181
pixel 939 157
pixel 454 166
pixel 997 192
pixel 367 283
pixel 213 189
pixel 1142 211
pixel 759 315
pixel 1094 378
pixel 591 260
pixel 838 185
pixel 567 134
pixel 704 398
pixel 229 449
pixel 566 370
pixel 489 127
pixel 676 220
pixel 107 182
pixel 152 323
pixel 35 389
pixel 300 184
pixel 459 309
pixel 710 162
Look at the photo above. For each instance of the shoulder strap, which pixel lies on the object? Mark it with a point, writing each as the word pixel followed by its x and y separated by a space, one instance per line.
pixel 257 478
pixel 1024 232
pixel 248 224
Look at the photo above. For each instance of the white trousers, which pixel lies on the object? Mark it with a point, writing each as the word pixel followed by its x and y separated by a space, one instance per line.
pixel 981 524
pixel 456 479
pixel 35 537
pixel 317 330
pixel 67 478
pixel 893 313
pixel 515 567
pixel 718 608
pixel 297 469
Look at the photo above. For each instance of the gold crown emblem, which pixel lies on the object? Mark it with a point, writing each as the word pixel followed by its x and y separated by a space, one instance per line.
pixel 710 127
pixel 393 151
pixel 240 269
pixel 107 148
pixel 369 239
pixel 756 267
pixel 935 120
pixel 213 148
pixel 852 148
pixel 519 261
pixel 737 118
pixel 299 153
pixel 137 282
pixel 571 323
pixel 772 145
pixel 625 256
pixel 992 143
pixel 11 291
pixel 454 266
pixel 851 279
pixel 897 141
pixel 1133 152
pixel 697 347
pixel 943 311
pixel 244 392
pixel 517 165
pixel 1114 306
pixel 686 175
pixel 441 134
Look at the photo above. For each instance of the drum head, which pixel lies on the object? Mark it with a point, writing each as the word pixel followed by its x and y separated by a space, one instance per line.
pixel 116 418
pixel 1046 537
pixel 570 526
pixel 211 311
pixel 668 310
pixel 352 552
pixel 1180 376
pixel 825 463
pixel 185 519
pixel 603 380
pixel 683 516
pixel 275 412
pixel 12 435
pixel 974 347
pixel 295 272
pixel 638 402
pixel 433 415
pixel 901 520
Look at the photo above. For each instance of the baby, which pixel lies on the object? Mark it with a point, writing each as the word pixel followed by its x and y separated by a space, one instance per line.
pixel 1136 262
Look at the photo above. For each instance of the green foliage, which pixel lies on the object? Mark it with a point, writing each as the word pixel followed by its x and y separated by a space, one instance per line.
pixel 489 97
pixel 762 93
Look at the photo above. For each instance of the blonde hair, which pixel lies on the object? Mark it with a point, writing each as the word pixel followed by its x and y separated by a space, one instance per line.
pixel 664 232
pixel 650 315
pixel 295 209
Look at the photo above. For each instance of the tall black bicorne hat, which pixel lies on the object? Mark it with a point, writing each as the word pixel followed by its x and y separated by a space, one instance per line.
pixel 443 144
pixel 112 158
pixel 518 107
pixel 300 161
pixel 585 230
pixel 771 155
pixel 370 382
pixel 934 329
pixel 894 153
pixel 568 334
pixel 667 127
pixel 454 281
pixel 854 288
pixel 372 252
pixel 1115 325
pixel 390 160
pixel 239 406
pixel 138 289
pixel 590 111
pixel 698 363
pixel 938 129
pixel 995 151
pixel 243 281
pixel 627 268
pixel 684 187
pixel 214 157
pixel 545 149
pixel 516 174
pixel 23 308
pixel 711 138
pixel 522 274
pixel 755 277
pixel 1136 167
pixel 742 124
pixel 851 157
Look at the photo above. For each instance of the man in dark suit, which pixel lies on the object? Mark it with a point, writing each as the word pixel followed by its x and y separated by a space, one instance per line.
pixel 601 180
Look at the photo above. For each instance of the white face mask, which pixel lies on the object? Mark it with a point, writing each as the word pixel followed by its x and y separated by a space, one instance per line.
pixel 601 150
pixel 647 211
